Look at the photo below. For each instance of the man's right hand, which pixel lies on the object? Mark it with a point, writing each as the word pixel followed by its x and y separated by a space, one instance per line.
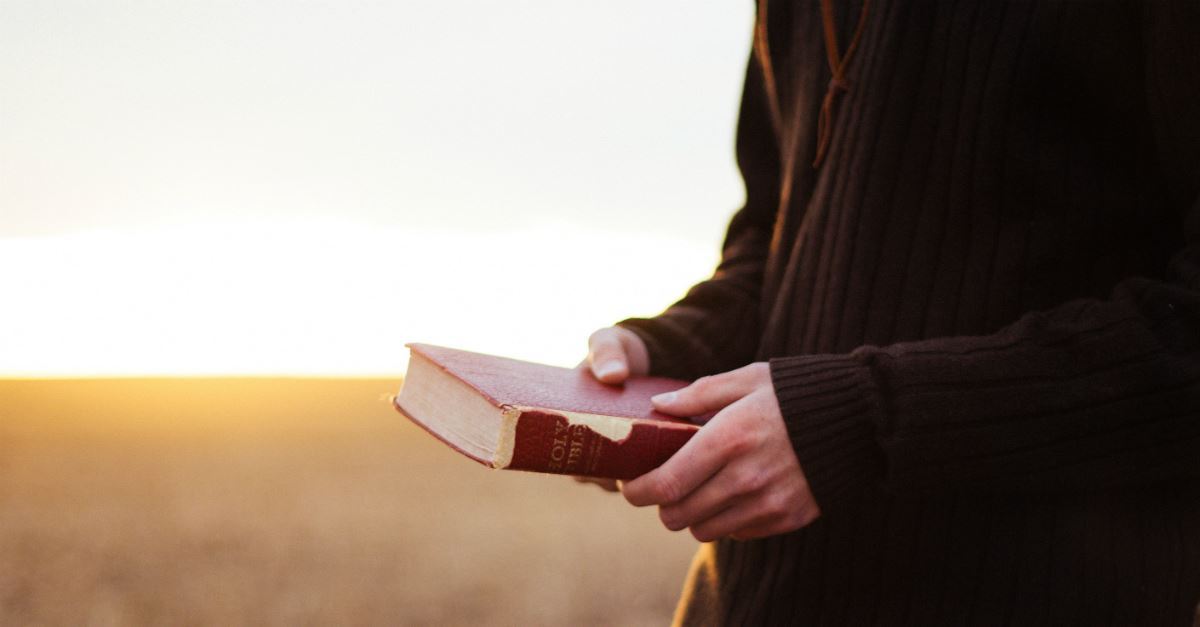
pixel 614 354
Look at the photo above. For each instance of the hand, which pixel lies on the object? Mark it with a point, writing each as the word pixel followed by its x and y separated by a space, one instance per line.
pixel 738 476
pixel 615 353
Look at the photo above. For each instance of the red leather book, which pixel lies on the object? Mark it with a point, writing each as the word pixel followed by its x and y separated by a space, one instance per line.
pixel 518 415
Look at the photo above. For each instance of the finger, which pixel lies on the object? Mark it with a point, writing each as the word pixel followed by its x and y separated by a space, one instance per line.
pixel 706 394
pixel 609 485
pixel 809 514
pixel 693 464
pixel 606 356
pixel 732 482
pixel 766 513
pixel 742 514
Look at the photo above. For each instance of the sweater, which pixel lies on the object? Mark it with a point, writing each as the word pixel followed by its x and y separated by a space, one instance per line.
pixel 981 310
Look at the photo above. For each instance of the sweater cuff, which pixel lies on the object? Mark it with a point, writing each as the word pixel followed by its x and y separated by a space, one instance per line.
pixel 830 405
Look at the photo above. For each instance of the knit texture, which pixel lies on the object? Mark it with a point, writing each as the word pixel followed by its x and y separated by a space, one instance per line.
pixel 981 311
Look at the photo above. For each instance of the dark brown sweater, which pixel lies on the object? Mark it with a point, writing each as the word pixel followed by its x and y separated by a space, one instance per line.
pixel 982 313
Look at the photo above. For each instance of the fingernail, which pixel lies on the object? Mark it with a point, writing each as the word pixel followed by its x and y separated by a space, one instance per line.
pixel 607 368
pixel 665 398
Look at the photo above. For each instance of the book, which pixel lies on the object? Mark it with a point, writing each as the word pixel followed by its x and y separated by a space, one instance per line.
pixel 518 415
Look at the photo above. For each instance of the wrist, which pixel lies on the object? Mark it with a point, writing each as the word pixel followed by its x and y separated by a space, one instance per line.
pixel 831 409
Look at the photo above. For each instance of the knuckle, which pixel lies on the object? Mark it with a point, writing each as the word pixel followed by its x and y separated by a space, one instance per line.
pixel 703 385
pixel 740 442
pixel 739 445
pixel 775 505
pixel 748 481
pixel 668 488
pixel 755 439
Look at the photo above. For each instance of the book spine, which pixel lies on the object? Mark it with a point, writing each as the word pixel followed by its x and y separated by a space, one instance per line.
pixel 549 442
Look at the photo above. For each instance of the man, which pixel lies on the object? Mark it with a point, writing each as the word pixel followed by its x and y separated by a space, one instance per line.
pixel 953 344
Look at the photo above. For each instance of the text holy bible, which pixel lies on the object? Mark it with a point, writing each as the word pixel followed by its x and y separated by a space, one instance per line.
pixel 518 415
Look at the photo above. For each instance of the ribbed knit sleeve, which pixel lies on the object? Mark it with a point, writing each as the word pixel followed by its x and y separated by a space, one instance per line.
pixel 715 327
pixel 831 407
pixel 1090 394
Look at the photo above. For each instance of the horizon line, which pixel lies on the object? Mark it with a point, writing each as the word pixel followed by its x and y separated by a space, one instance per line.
pixel 137 376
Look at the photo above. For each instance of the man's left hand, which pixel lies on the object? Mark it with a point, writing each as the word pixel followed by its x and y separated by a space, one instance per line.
pixel 738 476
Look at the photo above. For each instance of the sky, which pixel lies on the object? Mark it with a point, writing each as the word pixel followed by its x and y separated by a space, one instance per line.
pixel 299 188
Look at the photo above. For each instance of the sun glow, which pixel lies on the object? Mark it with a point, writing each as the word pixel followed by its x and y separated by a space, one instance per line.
pixel 196 188
pixel 321 297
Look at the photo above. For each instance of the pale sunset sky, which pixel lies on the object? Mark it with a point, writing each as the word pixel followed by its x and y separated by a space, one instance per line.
pixel 298 188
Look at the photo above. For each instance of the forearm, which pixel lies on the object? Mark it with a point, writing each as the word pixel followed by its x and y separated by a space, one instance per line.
pixel 1090 394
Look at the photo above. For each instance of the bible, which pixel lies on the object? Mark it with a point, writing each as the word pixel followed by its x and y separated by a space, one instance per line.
pixel 505 413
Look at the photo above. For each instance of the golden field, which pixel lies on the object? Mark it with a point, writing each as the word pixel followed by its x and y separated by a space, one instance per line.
pixel 296 501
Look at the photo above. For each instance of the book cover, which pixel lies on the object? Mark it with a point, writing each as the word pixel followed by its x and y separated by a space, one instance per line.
pixel 518 415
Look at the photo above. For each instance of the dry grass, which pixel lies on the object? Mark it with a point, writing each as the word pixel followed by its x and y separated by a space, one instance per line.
pixel 279 501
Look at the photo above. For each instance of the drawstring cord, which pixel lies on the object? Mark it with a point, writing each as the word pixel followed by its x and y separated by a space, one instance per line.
pixel 838 63
pixel 762 50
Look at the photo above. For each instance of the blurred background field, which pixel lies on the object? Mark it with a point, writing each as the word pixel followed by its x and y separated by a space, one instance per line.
pixel 288 501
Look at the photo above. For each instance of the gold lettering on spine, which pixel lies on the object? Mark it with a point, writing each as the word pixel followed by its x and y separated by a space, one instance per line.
pixel 577 444
pixel 558 448
pixel 575 453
